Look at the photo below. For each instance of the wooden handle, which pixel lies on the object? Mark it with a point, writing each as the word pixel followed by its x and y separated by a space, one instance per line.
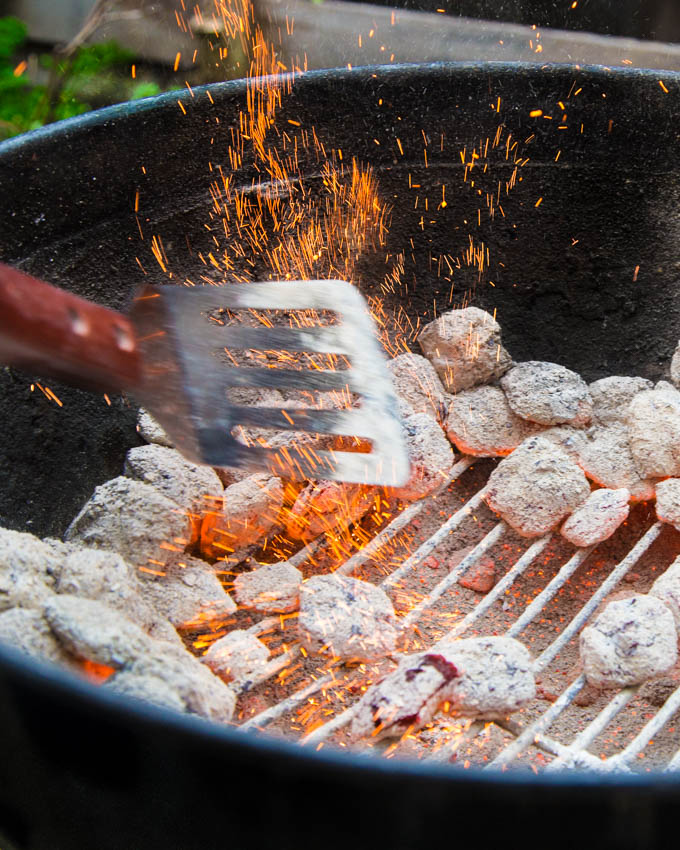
pixel 48 331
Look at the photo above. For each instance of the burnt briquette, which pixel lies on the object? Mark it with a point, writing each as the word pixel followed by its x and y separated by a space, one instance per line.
pixel 269 589
pixel 347 617
pixel 632 640
pixel 597 518
pixel 430 456
pixel 654 431
pixel 416 382
pixel 668 501
pixel 237 657
pixel 480 422
pixel 190 486
pixel 667 588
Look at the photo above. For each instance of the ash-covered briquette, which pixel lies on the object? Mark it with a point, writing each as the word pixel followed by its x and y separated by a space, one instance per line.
pixel 407 698
pixel 495 676
pixel 603 453
pixel 548 394
pixel 166 665
pixel 632 640
pixel 151 431
pixel 668 501
pixel 480 422
pixel 597 518
pixel 606 457
pixel 238 657
pixel 149 689
pixel 131 518
pixel 28 570
pixel 571 440
pixel 192 487
pixel 667 589
pixel 27 630
pixel 654 430
pixel 416 382
pixel 347 618
pixel 478 677
pixel 612 397
pixel 188 593
pixel 108 578
pixel 270 589
pixel 250 510
pixel 536 487
pixel 464 346
pixel 92 631
pixel 430 456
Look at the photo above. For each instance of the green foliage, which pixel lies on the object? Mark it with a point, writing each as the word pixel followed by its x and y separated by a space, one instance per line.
pixel 95 58
pixel 144 89
pixel 12 36
pixel 97 73
pixel 17 101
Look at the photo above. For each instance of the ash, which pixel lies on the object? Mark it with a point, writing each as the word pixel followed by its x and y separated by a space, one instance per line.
pixel 213 592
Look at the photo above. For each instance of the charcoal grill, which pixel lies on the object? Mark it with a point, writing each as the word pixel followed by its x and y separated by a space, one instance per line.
pixel 584 263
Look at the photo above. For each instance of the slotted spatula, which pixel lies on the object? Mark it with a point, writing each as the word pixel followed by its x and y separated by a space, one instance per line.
pixel 166 352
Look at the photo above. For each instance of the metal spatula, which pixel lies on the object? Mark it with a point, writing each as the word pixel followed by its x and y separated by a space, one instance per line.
pixel 170 353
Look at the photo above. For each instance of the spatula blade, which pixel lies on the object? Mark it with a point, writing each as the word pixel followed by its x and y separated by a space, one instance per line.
pixel 183 339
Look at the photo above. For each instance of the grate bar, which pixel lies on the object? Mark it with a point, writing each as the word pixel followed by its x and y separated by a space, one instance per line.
pixel 528 736
pixel 431 543
pixel 550 745
pixel 579 745
pixel 483 546
pixel 549 591
pixel 273 667
pixel 673 764
pixel 541 740
pixel 264 718
pixel 359 558
pixel 648 731
pixel 318 735
pixel 263 626
pixel 498 590
pixel 603 590
pixel 307 551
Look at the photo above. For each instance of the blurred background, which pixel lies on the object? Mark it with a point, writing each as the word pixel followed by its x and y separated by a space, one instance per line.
pixel 59 58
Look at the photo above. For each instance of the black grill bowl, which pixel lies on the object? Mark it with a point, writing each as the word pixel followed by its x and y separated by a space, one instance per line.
pixel 587 278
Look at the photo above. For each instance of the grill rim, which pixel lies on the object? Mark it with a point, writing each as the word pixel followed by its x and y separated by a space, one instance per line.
pixel 21 676
pixel 58 683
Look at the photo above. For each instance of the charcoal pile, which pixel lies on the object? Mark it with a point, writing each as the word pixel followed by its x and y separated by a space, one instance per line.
pixel 167 586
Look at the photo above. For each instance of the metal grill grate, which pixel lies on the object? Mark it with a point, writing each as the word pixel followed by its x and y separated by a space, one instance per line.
pixel 581 751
